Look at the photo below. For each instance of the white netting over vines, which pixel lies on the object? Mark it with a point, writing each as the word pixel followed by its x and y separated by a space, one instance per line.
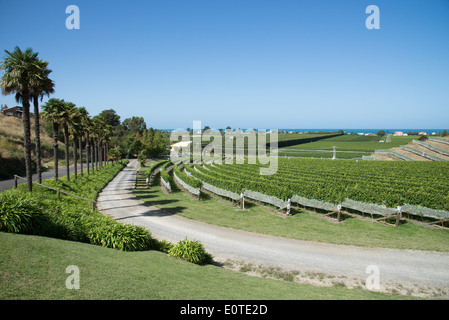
pixel 425 212
pixel 396 154
pixel 441 140
pixel 371 208
pixel 314 203
pixel 265 198
pixel 195 191
pixel 221 192
pixel 166 184
pixel 431 147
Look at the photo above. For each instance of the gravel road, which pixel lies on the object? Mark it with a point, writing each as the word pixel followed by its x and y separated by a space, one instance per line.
pixel 420 273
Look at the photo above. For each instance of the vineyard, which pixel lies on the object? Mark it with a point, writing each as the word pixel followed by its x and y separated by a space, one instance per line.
pixel 376 188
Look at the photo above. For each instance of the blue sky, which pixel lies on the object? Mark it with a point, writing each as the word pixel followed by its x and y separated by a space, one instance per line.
pixel 247 63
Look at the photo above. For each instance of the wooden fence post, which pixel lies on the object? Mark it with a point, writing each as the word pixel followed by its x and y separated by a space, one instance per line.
pixel 339 212
pixel 15 181
pixel 398 215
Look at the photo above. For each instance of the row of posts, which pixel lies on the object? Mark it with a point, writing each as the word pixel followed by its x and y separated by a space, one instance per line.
pixel 58 191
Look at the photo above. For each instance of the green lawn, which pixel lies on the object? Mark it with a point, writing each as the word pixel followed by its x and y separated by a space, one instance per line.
pixel 302 225
pixel 33 267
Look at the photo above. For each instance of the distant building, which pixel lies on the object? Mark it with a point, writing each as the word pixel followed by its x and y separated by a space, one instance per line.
pixel 176 147
pixel 13 111
pixel 398 133
pixel 423 133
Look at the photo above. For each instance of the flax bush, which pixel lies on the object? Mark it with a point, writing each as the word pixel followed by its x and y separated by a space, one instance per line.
pixel 192 251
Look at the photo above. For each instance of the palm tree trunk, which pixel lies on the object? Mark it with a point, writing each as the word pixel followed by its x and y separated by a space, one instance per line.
pixel 96 156
pixel 66 141
pixel 87 152
pixel 75 156
pixel 100 154
pixel 27 141
pixel 106 151
pixel 38 139
pixel 55 148
pixel 80 141
pixel 92 154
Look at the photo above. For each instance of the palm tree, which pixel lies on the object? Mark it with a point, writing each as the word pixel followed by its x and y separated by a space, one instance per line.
pixel 98 133
pixel 21 68
pixel 84 116
pixel 75 125
pixel 41 86
pixel 52 111
pixel 88 128
pixel 65 119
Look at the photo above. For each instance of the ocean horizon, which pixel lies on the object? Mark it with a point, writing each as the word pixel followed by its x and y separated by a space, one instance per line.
pixel 387 131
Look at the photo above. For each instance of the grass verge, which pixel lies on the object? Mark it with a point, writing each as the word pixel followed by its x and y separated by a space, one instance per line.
pixel 33 267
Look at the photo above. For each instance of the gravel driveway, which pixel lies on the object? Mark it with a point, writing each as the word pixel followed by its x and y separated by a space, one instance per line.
pixel 419 273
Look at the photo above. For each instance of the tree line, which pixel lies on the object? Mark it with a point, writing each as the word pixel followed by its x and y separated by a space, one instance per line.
pixel 95 140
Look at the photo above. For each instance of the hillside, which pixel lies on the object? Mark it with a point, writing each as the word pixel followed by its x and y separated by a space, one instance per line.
pixel 433 149
pixel 11 147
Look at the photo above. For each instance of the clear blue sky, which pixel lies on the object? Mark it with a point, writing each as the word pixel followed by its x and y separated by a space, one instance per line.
pixel 244 63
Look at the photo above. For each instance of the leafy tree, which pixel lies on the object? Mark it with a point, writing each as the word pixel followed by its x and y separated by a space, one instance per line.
pixel 154 143
pixel 135 125
pixel 110 117
pixel 132 145
pixel 381 133
pixel 115 154
pixel 444 134
pixel 142 158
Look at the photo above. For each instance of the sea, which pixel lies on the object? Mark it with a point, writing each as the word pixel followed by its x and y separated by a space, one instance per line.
pixel 375 131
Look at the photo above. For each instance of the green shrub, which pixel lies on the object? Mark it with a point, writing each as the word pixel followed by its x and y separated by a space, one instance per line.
pixel 42 213
pixel 192 251
pixel 19 212
pixel 164 174
pixel 164 246
pixel 120 236
pixel 150 170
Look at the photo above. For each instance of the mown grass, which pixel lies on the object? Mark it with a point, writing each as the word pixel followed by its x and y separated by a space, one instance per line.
pixel 302 225
pixel 34 268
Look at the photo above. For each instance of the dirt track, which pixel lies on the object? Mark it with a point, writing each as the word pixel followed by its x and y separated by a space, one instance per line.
pixel 413 272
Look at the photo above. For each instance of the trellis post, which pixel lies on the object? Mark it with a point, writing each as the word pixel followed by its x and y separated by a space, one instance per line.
pixel 398 215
